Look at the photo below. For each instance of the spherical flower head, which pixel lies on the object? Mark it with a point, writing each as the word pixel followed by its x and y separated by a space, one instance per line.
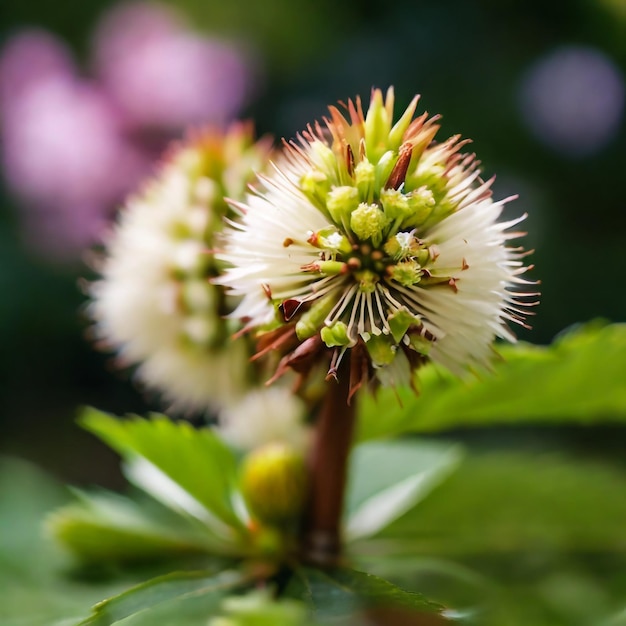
pixel 374 241
pixel 155 303
pixel 273 482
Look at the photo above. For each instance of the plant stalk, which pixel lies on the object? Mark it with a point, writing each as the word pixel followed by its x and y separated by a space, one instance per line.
pixel 328 472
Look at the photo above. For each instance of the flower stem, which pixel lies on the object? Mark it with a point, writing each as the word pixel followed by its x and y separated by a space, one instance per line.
pixel 321 530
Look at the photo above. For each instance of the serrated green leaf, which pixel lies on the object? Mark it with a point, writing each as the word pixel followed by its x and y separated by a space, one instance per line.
pixel 105 527
pixel 189 462
pixel 342 592
pixel 505 503
pixel 387 478
pixel 578 379
pixel 179 599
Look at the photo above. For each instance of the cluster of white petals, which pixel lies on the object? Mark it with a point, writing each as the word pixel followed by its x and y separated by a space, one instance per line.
pixel 154 303
pixel 371 237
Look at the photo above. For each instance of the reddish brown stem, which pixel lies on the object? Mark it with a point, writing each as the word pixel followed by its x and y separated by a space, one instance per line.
pixel 321 531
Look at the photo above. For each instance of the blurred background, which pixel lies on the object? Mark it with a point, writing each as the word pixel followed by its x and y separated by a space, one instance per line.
pixel 92 92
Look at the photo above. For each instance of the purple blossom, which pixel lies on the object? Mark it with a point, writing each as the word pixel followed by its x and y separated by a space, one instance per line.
pixel 73 147
pixel 161 74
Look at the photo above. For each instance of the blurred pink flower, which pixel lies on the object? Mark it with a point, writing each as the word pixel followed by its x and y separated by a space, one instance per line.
pixel 28 58
pixel 72 148
pixel 160 74
pixel 572 99
pixel 62 146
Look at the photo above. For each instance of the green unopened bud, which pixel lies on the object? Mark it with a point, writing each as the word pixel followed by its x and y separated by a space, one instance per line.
pixel 395 204
pixel 396 134
pixel 341 201
pixel 365 174
pixel 315 186
pixel 336 335
pixel 421 203
pixel 384 168
pixel 407 273
pixel 312 320
pixel 273 483
pixel 381 349
pixel 323 157
pixel 331 268
pixel 431 176
pixel 368 222
pixel 377 127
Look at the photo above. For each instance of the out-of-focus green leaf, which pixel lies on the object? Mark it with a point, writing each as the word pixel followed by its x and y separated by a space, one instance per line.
pixel 578 379
pixel 342 592
pixel 180 598
pixel 505 503
pixel 33 588
pixel 105 527
pixel 259 608
pixel 387 478
pixel 186 465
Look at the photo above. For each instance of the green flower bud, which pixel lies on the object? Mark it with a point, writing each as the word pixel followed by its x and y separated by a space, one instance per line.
pixel 407 273
pixel 336 335
pixel 365 175
pixel 377 127
pixel 314 184
pixel 368 222
pixel 323 157
pixel 311 321
pixel 273 483
pixel 384 167
pixel 395 204
pixel 341 201
pixel 421 203
pixel 396 134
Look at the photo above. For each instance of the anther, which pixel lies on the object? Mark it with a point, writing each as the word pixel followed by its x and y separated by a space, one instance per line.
pixel 398 173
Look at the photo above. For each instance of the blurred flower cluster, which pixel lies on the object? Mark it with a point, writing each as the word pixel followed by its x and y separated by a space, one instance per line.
pixel 75 143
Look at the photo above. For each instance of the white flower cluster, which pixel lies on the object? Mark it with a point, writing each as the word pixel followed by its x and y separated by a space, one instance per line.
pixel 155 304
pixel 372 240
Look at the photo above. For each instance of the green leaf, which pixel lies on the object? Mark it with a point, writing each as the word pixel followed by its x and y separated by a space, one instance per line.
pixel 342 592
pixel 189 468
pixel 33 588
pixel 578 379
pixel 260 608
pixel 506 503
pixel 106 527
pixel 386 479
pixel 180 598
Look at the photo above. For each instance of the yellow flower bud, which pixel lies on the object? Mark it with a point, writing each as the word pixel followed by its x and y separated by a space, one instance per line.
pixel 273 482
